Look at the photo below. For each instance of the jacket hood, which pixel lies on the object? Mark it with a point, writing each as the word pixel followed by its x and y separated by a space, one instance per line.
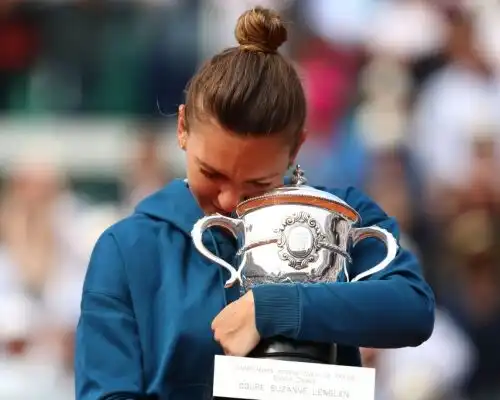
pixel 175 204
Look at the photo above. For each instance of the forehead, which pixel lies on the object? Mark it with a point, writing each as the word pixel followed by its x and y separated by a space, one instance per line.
pixel 239 156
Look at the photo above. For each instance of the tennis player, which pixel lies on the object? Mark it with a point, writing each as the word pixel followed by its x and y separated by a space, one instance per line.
pixel 155 312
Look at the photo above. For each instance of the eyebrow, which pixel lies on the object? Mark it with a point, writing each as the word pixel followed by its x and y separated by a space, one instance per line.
pixel 211 169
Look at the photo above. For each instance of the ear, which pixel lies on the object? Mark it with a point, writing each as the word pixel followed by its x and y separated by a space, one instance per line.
pixel 296 150
pixel 181 127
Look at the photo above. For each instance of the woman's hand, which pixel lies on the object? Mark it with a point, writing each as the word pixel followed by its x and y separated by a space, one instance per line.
pixel 234 328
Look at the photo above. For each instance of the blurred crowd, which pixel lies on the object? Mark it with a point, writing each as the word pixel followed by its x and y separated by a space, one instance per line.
pixel 403 98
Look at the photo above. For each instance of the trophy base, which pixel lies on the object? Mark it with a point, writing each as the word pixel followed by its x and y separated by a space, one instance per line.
pixel 284 349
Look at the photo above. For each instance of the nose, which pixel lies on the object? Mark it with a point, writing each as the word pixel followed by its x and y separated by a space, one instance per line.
pixel 228 199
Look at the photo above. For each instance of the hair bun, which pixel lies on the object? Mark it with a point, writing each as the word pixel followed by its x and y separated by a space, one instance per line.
pixel 261 30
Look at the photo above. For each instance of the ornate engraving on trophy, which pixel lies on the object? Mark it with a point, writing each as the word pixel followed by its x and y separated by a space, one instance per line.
pixel 299 241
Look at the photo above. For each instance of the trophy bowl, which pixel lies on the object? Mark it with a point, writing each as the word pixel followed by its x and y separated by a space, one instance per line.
pixel 294 233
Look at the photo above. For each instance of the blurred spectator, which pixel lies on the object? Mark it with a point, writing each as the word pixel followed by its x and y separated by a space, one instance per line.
pixel 458 100
pixel 343 23
pixel 472 281
pixel 455 143
pixel 41 272
pixel 407 29
pixel 146 172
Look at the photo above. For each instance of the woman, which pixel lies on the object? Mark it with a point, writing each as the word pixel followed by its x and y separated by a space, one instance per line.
pixel 155 312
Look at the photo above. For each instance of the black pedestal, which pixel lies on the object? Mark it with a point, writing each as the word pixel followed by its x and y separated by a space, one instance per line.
pixel 292 350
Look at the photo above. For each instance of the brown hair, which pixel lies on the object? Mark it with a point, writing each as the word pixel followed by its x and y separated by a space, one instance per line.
pixel 251 89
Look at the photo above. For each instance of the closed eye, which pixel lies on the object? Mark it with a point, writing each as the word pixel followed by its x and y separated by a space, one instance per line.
pixel 261 185
pixel 209 174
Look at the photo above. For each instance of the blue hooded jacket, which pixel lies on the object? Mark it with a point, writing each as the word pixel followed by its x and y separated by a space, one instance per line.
pixel 149 299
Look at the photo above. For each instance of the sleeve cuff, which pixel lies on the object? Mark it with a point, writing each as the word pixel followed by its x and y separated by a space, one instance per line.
pixel 277 310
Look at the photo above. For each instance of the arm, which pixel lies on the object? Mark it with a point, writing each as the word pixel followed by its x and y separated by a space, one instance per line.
pixel 391 308
pixel 108 358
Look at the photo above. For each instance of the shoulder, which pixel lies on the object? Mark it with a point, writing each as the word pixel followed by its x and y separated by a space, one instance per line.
pixel 130 229
pixel 137 229
pixel 130 238
pixel 370 212
pixel 122 251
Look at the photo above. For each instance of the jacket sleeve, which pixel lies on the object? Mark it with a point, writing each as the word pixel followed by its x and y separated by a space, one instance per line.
pixel 389 308
pixel 108 356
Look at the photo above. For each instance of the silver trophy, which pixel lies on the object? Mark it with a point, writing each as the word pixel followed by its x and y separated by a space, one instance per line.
pixel 294 233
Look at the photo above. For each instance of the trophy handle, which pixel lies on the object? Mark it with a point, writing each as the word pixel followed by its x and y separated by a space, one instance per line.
pixel 230 224
pixel 358 234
